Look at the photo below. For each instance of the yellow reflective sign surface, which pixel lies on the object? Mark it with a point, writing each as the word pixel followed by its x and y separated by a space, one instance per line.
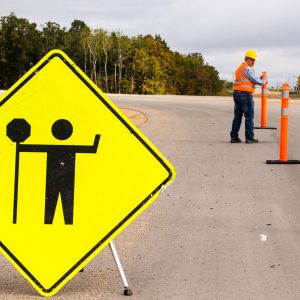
pixel 74 172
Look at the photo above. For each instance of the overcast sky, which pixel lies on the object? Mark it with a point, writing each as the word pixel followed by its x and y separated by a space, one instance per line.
pixel 222 30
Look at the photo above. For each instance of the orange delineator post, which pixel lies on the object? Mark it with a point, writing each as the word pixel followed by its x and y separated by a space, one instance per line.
pixel 264 103
pixel 284 123
pixel 264 90
pixel 284 126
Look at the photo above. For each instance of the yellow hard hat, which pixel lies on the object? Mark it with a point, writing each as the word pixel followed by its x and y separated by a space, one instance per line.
pixel 251 53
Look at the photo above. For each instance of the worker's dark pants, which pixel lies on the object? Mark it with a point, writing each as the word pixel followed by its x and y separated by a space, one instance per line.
pixel 243 105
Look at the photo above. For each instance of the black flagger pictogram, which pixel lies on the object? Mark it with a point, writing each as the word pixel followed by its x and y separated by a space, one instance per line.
pixel 60 174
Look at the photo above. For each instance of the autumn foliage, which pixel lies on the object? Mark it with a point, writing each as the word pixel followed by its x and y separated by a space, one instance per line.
pixel 115 62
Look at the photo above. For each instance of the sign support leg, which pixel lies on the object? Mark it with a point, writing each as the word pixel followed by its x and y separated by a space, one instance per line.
pixel 127 290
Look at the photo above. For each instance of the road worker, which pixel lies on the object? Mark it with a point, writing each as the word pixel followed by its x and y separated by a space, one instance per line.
pixel 244 84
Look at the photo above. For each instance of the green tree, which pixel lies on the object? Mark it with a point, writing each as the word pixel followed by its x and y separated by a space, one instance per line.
pixel 120 53
pixel 53 37
pixel 20 42
pixel 149 65
pixel 74 42
pixel 104 46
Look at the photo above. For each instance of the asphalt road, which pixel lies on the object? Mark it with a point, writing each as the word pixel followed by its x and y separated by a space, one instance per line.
pixel 227 228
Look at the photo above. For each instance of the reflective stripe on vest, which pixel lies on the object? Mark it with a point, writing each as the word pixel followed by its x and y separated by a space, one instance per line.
pixel 242 83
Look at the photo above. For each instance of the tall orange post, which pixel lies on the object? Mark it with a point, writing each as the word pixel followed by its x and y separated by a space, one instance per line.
pixel 284 126
pixel 264 103
pixel 284 123
pixel 264 90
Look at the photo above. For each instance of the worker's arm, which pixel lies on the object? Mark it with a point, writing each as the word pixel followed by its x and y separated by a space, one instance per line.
pixel 253 78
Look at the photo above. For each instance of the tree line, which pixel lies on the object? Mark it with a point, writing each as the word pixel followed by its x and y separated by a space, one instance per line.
pixel 115 62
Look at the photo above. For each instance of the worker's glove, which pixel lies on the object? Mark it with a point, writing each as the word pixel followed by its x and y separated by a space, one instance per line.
pixel 265 79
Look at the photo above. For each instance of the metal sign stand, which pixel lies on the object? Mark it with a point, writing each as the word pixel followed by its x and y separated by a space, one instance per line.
pixel 127 290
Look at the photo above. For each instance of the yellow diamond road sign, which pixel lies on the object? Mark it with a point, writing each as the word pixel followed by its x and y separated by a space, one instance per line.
pixel 74 172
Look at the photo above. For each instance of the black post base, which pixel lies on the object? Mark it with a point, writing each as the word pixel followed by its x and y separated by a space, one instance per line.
pixel 288 162
pixel 128 292
pixel 265 127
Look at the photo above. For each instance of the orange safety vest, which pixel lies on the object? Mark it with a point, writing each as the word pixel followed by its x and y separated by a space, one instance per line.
pixel 242 83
